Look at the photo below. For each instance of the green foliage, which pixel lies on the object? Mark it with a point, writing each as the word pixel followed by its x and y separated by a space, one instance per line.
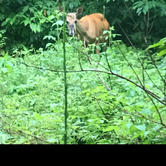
pixel 117 97
pixel 32 99
pixel 141 21
pixel 161 45
pixel 27 22
pixel 2 42
pixel 145 6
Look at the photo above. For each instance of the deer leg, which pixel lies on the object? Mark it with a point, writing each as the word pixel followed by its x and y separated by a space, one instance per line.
pixel 97 50
pixel 104 48
pixel 85 43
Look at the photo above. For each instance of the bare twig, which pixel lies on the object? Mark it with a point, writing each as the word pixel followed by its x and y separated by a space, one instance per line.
pixel 99 75
pixel 131 15
pixel 21 131
pixel 126 36
pixel 156 68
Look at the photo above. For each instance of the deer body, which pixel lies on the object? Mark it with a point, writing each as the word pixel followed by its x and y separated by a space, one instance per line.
pixel 88 27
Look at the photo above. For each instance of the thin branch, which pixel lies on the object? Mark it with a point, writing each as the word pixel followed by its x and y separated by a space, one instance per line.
pixel 162 133
pixel 141 116
pixel 149 118
pixel 151 25
pixel 161 120
pixel 154 83
pixel 126 36
pixel 107 72
pixel 130 65
pixel 131 15
pixel 156 67
pixel 21 131
pixel 99 75
pixel 100 107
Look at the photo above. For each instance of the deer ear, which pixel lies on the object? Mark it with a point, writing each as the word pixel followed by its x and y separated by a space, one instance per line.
pixel 79 10
pixel 60 9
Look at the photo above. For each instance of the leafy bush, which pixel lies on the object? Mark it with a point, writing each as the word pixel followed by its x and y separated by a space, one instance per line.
pixel 118 104
pixel 140 21
pixel 116 97
pixel 27 22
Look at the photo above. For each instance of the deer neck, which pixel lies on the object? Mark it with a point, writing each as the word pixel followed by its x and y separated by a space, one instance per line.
pixel 82 32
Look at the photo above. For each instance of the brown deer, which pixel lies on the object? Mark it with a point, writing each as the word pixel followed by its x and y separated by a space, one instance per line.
pixel 88 27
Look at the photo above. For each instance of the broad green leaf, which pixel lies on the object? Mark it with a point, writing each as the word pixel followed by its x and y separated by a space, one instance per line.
pixel 4 70
pixel 35 27
pixel 59 22
pixel 139 11
pixel 13 20
pixel 142 25
pixel 32 101
pixel 25 8
pixel 71 5
pixel 37 116
pixel 155 45
pixel 132 93
pixel 146 111
pixel 156 127
pixel 110 128
pixel 39 3
pixel 98 47
pixel 146 142
pixel 26 22
pixel 48 44
pixel 128 125
pixel 146 133
pixel 4 23
pixel 52 140
pixel 31 9
pixel 104 32
pixel 141 127
pixel 137 135
pixel 146 8
pixel 8 19
pixel 2 60
pixel 161 53
pixel 20 1
pixel 133 128
pixel 1 17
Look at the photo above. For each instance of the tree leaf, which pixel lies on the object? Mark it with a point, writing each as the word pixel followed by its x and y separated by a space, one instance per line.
pixel 146 111
pixel 25 8
pixel 71 5
pixel 4 70
pixel 155 45
pixel 161 53
pixel 110 128
pixel 141 127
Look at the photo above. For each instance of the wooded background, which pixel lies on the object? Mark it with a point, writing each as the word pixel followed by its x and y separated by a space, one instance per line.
pixel 27 22
pixel 117 97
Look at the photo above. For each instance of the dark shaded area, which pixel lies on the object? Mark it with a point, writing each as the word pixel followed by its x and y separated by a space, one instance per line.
pixel 27 22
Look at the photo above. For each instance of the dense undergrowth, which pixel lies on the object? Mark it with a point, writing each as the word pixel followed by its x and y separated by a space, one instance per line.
pixel 106 101
pixel 117 97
